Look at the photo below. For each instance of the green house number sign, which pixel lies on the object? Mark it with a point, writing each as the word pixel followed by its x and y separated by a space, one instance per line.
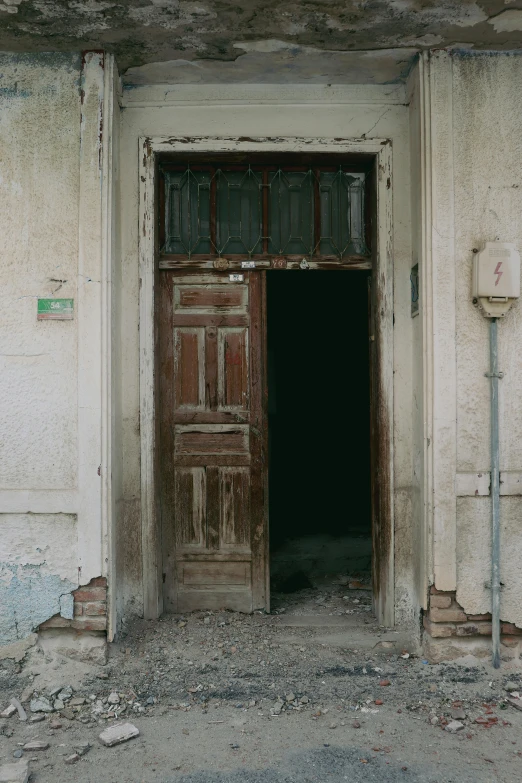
pixel 55 309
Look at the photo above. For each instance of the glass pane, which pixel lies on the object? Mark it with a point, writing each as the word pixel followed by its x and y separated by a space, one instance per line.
pixel 235 200
pixel 342 214
pixel 187 212
pixel 291 212
pixel 239 212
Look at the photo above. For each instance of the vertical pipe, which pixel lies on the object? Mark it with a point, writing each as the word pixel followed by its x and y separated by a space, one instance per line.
pixel 495 497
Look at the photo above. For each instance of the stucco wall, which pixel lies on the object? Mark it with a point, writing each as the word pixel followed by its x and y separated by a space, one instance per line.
pixel 487 143
pixel 55 172
pixel 39 193
pixel 378 112
pixel 39 143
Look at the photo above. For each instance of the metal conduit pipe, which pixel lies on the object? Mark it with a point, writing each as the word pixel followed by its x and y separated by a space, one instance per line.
pixel 495 495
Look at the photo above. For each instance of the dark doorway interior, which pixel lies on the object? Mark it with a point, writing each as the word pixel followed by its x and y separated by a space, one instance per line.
pixel 319 427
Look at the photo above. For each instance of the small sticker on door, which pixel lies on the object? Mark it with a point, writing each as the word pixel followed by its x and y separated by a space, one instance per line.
pixel 236 278
pixel 248 264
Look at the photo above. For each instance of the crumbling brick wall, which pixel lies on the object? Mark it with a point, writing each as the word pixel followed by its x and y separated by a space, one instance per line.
pixel 447 620
pixel 90 609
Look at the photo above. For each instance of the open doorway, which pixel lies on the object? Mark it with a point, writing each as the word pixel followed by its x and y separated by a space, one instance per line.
pixel 319 429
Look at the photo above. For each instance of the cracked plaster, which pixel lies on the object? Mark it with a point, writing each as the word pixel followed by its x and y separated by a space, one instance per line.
pixel 38 571
pixel 140 32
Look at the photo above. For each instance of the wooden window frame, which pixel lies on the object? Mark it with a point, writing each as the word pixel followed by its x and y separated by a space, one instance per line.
pixel 263 163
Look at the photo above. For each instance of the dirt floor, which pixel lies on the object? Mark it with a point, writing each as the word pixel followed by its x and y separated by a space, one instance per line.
pixel 314 692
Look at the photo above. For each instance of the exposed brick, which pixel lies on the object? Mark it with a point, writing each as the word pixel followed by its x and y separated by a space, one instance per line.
pixel 434 591
pixel 440 601
pixel 511 629
pixel 468 629
pixel 509 641
pixel 89 624
pixel 84 594
pixel 474 629
pixel 96 608
pixel 56 622
pixel 478 617
pixel 447 616
pixel 99 581
pixel 438 631
pixel 78 609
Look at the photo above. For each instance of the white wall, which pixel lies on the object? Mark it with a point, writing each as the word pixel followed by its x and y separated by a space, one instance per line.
pixel 53 176
pixel 228 111
pixel 466 151
pixel 487 142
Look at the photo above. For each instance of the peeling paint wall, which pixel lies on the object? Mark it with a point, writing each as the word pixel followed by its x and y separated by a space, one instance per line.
pixel 37 571
pixel 145 31
pixel 465 112
pixel 51 457
pixel 487 139
pixel 39 143
pixel 39 191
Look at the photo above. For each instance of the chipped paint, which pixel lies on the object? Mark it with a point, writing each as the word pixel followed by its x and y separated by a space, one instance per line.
pixel 145 31
pixel 507 21
pixel 37 571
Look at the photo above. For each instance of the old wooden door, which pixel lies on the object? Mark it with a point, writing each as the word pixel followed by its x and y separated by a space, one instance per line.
pixel 212 441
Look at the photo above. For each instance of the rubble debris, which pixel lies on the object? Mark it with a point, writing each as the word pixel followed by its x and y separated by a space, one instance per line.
pixel 121 732
pixel 36 745
pixel 22 715
pixel 8 712
pixel 72 759
pixel 41 704
pixel 15 772
pixel 454 726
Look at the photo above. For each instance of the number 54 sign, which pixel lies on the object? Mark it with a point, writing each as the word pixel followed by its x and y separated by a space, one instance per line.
pixel 55 309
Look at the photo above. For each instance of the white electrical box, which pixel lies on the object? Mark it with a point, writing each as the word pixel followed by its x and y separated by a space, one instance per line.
pixel 496 278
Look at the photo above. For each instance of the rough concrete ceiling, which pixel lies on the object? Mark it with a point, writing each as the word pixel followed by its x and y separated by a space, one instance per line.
pixel 140 32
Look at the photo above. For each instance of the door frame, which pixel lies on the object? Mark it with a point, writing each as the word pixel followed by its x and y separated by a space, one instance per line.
pixel 150 148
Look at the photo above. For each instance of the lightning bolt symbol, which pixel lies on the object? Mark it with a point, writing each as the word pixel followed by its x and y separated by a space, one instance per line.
pixel 498 273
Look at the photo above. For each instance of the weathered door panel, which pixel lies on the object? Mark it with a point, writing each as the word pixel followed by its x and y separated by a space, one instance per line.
pixel 213 423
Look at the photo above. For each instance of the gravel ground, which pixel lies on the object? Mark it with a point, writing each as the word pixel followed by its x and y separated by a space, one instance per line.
pixel 266 698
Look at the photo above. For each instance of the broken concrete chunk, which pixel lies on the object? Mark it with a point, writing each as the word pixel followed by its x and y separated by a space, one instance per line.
pixel 66 693
pixel 17 772
pixel 454 726
pixel 77 701
pixel 22 715
pixel 113 698
pixel 516 703
pixel 72 759
pixel 82 748
pixel 122 732
pixel 41 704
pixel 10 710
pixel 36 745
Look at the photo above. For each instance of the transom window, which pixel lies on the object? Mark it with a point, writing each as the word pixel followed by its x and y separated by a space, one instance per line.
pixel 257 210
